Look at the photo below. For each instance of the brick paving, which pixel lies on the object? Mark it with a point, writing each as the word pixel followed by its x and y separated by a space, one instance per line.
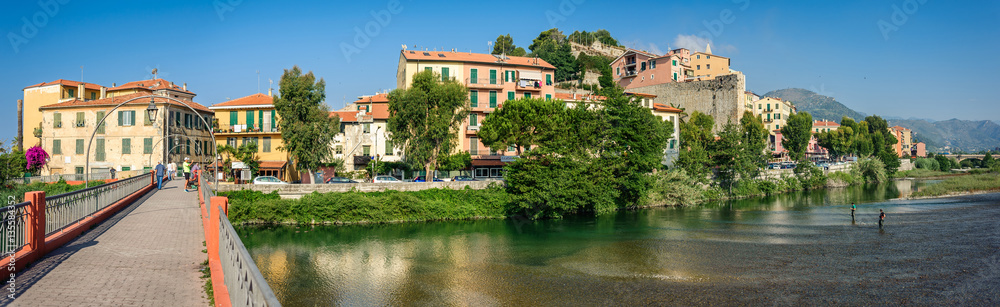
pixel 148 254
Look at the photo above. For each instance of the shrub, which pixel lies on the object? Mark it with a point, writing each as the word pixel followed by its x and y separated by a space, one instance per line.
pixel 674 187
pixel 871 170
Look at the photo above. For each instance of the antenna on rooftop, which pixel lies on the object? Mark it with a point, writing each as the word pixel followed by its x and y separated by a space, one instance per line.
pixel 81 73
pixel 154 73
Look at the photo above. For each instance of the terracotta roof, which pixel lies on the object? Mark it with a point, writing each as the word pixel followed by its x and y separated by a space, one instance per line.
pixel 152 84
pixel 899 128
pixel 112 101
pixel 378 111
pixel 572 97
pixel 473 57
pixel 665 108
pixel 255 99
pixel 272 164
pixel 373 98
pixel 67 83
pixel 826 123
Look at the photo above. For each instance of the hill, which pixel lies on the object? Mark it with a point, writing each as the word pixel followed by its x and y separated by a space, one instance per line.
pixel 953 134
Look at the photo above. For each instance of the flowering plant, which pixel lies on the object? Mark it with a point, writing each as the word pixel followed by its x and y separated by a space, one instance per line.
pixel 36 157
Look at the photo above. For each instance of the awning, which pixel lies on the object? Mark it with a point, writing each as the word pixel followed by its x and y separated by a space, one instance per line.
pixel 487 162
pixel 272 165
pixel 529 74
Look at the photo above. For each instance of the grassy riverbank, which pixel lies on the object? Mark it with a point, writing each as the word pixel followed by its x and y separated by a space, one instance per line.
pixel 989 182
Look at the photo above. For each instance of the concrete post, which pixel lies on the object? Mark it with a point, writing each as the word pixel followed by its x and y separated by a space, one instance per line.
pixel 34 232
pixel 213 222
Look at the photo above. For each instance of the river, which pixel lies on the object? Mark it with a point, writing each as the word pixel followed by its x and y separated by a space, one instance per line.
pixel 791 249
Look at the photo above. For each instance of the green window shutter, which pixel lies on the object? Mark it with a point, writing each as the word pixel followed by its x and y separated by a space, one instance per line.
pixel 79 119
pixel 366 150
pixel 249 119
pixel 57 120
pixel 444 73
pixel 267 144
pixel 121 118
pixel 100 115
pixel 188 147
pixel 473 75
pixel 473 120
pixel 493 76
pixel 93 96
pixel 510 95
pixel 675 62
pixel 428 69
pixel 147 146
pixel 79 146
pixel 675 76
pixel 474 99
pixel 260 118
pixel 126 146
pixel 493 99
pixel 548 96
pixel 57 147
pixel 527 95
pixel 618 71
pixel 388 147
pixel 474 146
pixel 274 120
pixel 233 119
pixel 100 150
pixel 146 120
pixel 548 79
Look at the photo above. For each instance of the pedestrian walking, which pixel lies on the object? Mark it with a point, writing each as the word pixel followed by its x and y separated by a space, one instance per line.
pixel 881 217
pixel 172 168
pixel 160 171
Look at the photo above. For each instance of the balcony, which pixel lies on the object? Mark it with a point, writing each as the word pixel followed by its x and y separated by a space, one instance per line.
pixel 472 130
pixel 487 83
pixel 244 129
pixel 530 85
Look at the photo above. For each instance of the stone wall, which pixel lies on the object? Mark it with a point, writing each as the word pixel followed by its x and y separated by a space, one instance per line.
pixel 722 97
pixel 298 190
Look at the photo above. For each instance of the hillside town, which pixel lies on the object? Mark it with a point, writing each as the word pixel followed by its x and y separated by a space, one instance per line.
pixel 61 115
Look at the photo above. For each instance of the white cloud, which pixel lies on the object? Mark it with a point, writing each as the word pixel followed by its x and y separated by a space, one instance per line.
pixel 655 49
pixel 697 43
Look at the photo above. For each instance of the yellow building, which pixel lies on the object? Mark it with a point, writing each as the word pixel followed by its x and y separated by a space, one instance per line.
pixel 773 112
pixel 47 93
pixel 254 119
pixel 128 139
pixel 708 66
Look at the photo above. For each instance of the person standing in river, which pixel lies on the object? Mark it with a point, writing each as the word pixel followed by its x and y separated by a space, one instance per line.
pixel 853 208
pixel 881 217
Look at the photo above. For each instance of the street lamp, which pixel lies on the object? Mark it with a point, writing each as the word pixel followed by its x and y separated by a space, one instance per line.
pixel 151 110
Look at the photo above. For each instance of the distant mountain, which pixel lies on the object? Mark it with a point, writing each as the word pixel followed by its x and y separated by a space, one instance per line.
pixel 956 134
pixel 819 106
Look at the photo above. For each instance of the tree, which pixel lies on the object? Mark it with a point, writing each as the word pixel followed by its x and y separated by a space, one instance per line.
pixel 246 153
pixel 632 146
pixel 753 156
pixel 696 137
pixel 307 129
pixel 725 154
pixel 521 123
pixel 12 163
pixel 458 161
pixel 505 45
pixel 796 134
pixel 552 46
pixel 988 160
pixel 426 116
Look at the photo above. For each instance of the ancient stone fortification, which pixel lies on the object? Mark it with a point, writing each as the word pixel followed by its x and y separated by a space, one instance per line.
pixel 722 97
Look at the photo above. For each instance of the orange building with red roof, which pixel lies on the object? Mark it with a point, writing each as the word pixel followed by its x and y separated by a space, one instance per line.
pixel 253 119
pixel 128 140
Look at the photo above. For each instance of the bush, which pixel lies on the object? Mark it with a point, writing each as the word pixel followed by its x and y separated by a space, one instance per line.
pixel 810 175
pixel 871 170
pixel 674 188
pixel 846 178
pixel 927 164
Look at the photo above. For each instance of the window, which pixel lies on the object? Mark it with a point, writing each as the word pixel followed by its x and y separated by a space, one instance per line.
pixel 100 116
pixel 493 76
pixel 473 76
pixel 366 150
pixel 100 150
pixel 444 73
pixel 79 170
pixel 548 79
pixel 510 148
pixel 367 128
pixel 126 118
pixel 187 150
pixel 527 95
pixel 708 57
pixel 618 71
pixel 642 66
pixel 777 106
pixel 56 147
pixel 126 168
pixel 698 67
pixel 651 77
pixel 233 119
pixel 474 99
pixel 80 120
pixel 473 119
pixel 652 64
pixel 760 106
pixel 776 127
pixel 249 122
pixel 493 99
pixel 675 62
pixel 260 119
pixel 388 148
pixel 474 146
pixel 188 121
pixel 177 118
pixel 79 146
pixel 231 142
pixel 708 66
pixel 548 96
pixel 675 76
pixel 147 146
pixel 673 143
pixel 510 95
pixel 339 149
pixel 57 120
pixel 146 120
pixel 267 144
pixel 93 96
pixel 428 69
pixel 126 146
pixel 70 93
pixel 697 56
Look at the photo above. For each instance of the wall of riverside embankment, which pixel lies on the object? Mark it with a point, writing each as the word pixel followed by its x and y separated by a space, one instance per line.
pixel 722 97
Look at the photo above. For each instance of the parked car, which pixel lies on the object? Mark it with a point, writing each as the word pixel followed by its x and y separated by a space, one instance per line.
pixel 787 165
pixel 268 180
pixel 387 179
pixel 340 180
pixel 423 179
pixel 463 178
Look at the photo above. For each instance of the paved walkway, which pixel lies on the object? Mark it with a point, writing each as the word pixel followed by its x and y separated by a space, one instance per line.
pixel 146 255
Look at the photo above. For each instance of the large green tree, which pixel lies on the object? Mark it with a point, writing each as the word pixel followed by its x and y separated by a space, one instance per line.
pixel 632 146
pixel 552 46
pixel 307 129
pixel 425 117
pixel 795 135
pixel 696 137
pixel 12 163
pixel 754 156
pixel 505 45
pixel 522 123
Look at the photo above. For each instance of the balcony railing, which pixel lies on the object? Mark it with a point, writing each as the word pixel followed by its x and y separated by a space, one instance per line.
pixel 530 85
pixel 484 83
pixel 255 128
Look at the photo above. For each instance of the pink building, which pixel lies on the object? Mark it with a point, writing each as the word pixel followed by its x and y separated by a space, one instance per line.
pixel 637 68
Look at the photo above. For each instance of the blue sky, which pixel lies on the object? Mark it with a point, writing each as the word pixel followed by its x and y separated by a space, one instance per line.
pixel 916 58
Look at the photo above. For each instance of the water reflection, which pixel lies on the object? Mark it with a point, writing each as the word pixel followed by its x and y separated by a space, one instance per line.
pixel 504 262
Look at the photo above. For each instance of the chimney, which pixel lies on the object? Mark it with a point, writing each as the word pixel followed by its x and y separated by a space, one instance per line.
pixel 79 91
pixel 185 86
pixel 270 92
pixel 104 92
pixel 114 84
